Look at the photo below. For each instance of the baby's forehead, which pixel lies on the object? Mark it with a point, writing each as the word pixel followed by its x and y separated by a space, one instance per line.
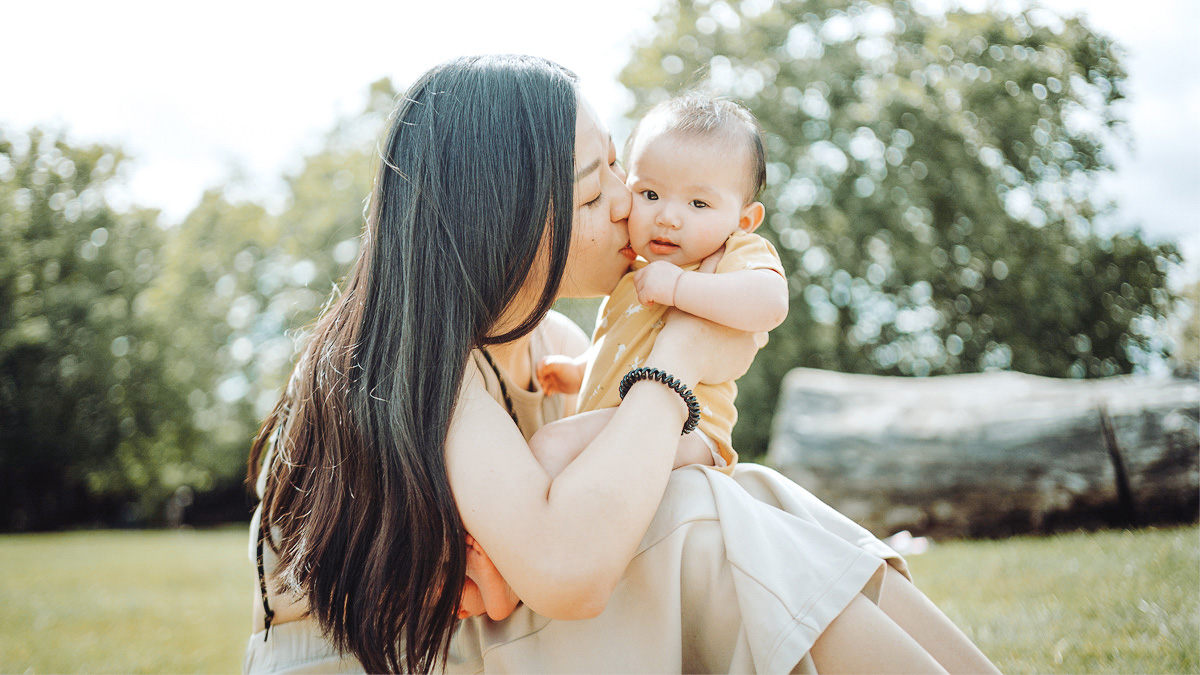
pixel 721 144
pixel 716 148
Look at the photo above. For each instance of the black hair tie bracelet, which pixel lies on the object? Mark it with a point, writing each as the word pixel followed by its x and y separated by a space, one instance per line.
pixel 680 388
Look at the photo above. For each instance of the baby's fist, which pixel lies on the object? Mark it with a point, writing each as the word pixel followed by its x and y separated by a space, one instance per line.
pixel 559 375
pixel 656 283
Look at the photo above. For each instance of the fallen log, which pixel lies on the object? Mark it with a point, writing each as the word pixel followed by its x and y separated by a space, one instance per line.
pixel 992 454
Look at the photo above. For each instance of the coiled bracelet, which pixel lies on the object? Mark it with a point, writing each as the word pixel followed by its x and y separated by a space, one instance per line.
pixel 680 388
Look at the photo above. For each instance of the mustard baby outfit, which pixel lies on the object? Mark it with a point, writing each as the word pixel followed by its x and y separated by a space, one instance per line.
pixel 626 331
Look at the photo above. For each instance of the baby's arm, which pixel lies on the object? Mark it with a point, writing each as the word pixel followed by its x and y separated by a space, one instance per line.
pixel 560 374
pixel 565 340
pixel 558 444
pixel 749 300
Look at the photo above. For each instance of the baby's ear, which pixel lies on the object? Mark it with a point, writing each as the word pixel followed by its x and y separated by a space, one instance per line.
pixel 752 217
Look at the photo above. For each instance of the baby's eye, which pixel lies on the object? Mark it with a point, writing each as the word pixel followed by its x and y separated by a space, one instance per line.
pixel 699 203
pixel 650 195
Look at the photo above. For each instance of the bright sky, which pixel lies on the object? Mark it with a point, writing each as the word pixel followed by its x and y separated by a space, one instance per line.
pixel 198 92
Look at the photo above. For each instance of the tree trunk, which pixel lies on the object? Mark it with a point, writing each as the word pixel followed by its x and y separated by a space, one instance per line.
pixel 992 454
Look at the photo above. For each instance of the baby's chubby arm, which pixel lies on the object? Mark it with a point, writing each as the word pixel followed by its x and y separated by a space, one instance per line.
pixel 560 374
pixel 565 340
pixel 749 300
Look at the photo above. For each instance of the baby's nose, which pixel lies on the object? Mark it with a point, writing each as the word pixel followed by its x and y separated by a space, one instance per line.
pixel 668 217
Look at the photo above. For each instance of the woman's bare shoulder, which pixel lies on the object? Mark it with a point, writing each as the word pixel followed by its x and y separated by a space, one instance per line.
pixel 481 431
pixel 472 407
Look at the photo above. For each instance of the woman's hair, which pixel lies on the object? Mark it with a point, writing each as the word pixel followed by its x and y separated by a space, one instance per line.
pixel 474 190
pixel 697 114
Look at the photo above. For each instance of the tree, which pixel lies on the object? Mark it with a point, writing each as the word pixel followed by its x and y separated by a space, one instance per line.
pixel 930 186
pixel 137 360
pixel 80 357
pixel 241 283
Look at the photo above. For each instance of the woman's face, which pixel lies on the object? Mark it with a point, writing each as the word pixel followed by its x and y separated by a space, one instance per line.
pixel 600 252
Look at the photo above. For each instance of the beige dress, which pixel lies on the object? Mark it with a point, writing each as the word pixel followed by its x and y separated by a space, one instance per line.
pixel 735 574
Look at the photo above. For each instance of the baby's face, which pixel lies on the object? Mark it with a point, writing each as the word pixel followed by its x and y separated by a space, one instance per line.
pixel 689 195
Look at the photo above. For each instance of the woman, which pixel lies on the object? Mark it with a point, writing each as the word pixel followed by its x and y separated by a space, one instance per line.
pixel 397 436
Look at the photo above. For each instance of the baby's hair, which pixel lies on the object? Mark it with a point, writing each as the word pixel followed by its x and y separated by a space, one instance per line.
pixel 698 114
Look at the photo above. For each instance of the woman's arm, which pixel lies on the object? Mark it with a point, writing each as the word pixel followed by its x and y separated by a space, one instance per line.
pixel 563 544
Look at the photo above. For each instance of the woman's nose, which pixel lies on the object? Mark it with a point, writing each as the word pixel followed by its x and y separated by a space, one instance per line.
pixel 621 202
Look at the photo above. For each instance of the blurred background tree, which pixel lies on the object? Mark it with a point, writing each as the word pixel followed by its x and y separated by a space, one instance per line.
pixel 136 360
pixel 931 192
pixel 930 186
pixel 82 369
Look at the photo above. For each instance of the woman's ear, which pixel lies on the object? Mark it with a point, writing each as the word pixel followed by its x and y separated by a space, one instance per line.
pixel 752 216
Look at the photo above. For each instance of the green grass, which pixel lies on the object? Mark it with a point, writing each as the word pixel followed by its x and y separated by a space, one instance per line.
pixel 1106 602
pixel 125 602
pixel 179 602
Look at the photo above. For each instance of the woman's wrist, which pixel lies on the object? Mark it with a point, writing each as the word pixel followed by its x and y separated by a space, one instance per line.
pixel 649 394
pixel 669 381
pixel 673 358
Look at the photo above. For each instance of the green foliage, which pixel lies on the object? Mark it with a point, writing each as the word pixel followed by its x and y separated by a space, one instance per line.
pixel 136 360
pixel 930 186
pixel 240 283
pixel 1186 329
pixel 81 357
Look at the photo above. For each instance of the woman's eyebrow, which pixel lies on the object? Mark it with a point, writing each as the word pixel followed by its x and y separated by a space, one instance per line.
pixel 587 170
pixel 583 173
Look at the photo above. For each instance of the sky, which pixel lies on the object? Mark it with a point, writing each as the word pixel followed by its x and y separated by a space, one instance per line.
pixel 197 93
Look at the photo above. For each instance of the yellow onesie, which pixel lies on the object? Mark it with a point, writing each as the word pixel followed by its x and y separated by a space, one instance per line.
pixel 626 330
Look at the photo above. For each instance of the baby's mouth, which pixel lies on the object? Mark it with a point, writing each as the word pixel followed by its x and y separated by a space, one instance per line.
pixel 662 247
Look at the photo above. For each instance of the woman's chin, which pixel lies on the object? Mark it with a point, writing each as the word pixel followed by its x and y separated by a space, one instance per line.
pixel 504 611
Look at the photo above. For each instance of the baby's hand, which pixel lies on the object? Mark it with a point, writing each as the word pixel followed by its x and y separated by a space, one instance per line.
pixel 656 283
pixel 559 375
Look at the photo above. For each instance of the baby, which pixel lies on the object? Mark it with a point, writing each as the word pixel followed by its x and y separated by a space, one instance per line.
pixel 696 166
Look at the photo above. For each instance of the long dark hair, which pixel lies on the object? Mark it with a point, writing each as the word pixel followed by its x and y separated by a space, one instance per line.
pixel 474 190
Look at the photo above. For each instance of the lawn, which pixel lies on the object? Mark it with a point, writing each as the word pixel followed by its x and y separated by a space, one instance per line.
pixel 179 601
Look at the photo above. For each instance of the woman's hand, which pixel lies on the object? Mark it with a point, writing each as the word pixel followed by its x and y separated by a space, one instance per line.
pixel 485 591
pixel 696 350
